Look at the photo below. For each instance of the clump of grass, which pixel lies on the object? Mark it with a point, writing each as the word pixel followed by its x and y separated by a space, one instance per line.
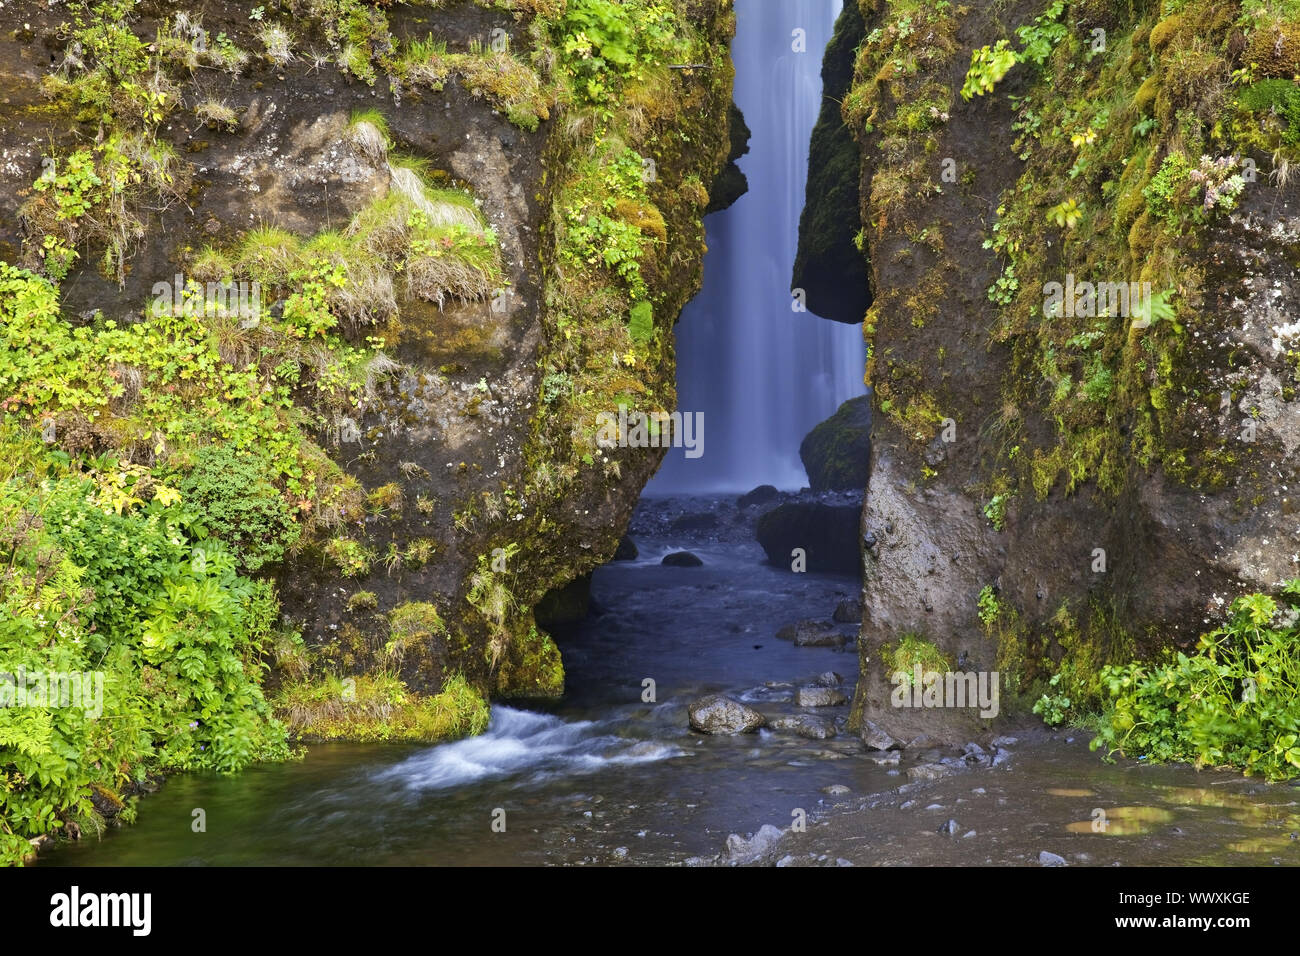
pixel 352 557
pixel 362 601
pixel 386 498
pixel 211 265
pixel 366 295
pixel 216 113
pixel 269 254
pixel 368 133
pixel 278 42
pixel 499 75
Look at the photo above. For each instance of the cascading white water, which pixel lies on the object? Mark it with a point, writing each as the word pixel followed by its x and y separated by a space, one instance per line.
pixel 761 374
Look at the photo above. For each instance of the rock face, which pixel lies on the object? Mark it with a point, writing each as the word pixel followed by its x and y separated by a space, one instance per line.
pixel 837 453
pixel 431 441
pixel 716 714
pixel 827 534
pixel 829 267
pixel 1095 476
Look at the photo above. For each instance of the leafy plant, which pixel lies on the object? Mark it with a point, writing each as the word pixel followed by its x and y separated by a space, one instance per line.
pixel 988 65
pixel 1052 707
pixel 239 505
pixel 1066 214
pixel 1235 702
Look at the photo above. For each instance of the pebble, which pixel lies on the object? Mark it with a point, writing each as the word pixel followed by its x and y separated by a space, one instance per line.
pixel 1050 859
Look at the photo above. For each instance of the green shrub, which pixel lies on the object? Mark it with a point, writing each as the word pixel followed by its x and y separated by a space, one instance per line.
pixel 233 492
pixel 1236 702
pixel 117 591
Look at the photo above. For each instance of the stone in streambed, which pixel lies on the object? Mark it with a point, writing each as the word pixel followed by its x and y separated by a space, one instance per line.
pixel 626 551
pixel 681 559
pixel 812 634
pixel 1050 859
pixel 804 725
pixel 715 714
pixel 928 771
pixel 740 851
pixel 877 739
pixel 819 697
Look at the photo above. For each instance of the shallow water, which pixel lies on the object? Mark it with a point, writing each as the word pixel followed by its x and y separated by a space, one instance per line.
pixel 605 777
pixel 601 776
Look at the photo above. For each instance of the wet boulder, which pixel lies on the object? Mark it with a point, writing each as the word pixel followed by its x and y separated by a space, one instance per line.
pixel 681 559
pixel 759 496
pixel 877 739
pixel 837 453
pixel 627 550
pixel 756 849
pixel 716 714
pixel 826 535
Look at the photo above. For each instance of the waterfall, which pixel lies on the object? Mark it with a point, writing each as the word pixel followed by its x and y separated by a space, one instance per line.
pixel 761 374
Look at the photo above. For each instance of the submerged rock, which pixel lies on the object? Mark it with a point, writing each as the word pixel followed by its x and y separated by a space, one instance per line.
pixel 813 634
pixel 928 771
pixel 681 559
pixel 848 611
pixel 716 714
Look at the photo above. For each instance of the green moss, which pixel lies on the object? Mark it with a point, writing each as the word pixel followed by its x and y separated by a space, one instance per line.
pixel 912 651
pixel 375 707
pixel 531 667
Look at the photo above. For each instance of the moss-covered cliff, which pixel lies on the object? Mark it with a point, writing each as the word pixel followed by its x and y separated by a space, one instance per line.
pixel 328 295
pixel 1065 475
